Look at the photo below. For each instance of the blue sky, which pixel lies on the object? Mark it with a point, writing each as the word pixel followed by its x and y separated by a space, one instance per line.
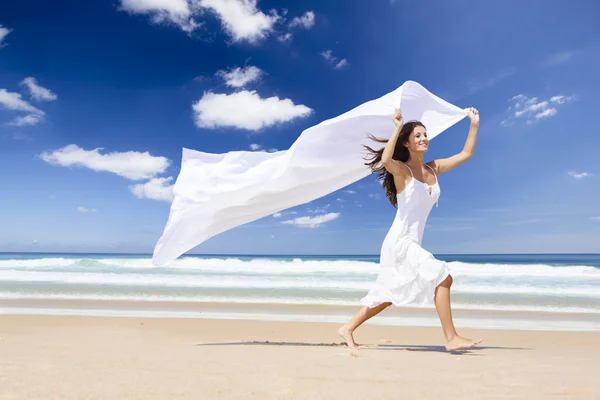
pixel 97 99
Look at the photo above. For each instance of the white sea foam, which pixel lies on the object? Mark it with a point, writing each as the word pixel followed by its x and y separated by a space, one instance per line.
pixel 485 286
pixel 265 266
pixel 38 263
pixel 274 301
pixel 276 282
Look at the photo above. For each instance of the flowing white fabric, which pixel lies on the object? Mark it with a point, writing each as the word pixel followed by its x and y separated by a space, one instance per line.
pixel 217 192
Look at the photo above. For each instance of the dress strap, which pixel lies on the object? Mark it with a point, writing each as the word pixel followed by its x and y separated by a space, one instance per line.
pixel 411 174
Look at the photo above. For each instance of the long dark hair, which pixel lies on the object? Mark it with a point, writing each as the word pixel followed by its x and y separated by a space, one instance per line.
pixel 401 153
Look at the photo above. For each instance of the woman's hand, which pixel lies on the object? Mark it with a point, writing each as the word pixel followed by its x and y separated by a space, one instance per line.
pixel 446 164
pixel 397 118
pixel 474 115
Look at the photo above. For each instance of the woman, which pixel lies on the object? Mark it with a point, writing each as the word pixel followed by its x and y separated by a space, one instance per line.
pixel 410 275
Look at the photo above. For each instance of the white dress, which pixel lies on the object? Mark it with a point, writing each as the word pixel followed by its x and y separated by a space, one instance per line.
pixel 408 274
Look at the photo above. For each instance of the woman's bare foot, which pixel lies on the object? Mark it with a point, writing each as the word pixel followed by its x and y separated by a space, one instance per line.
pixel 348 338
pixel 461 343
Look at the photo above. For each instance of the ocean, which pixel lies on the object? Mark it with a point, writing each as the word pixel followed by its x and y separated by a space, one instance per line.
pixel 544 284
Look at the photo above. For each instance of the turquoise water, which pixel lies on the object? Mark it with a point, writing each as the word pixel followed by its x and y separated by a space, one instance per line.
pixel 565 283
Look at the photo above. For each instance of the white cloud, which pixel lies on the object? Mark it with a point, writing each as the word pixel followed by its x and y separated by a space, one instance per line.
pixel 241 19
pixel 172 7
pixel 155 189
pixel 131 164
pixel 319 210
pixel 561 99
pixel 255 146
pixel 280 214
pixel 331 59
pixel 38 92
pixel 532 109
pixel 30 119
pixel 285 38
pixel 86 210
pixel 518 99
pixel 341 64
pixel 177 12
pixel 239 77
pixel 595 218
pixel 312 222
pixel 328 55
pixel 13 101
pixel 549 112
pixel 580 175
pixel 245 110
pixel 307 20
pixel 3 32
pixel 350 191
pixel 376 196
pixel 559 58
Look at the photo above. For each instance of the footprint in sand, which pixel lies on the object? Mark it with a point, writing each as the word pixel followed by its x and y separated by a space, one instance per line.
pixel 353 354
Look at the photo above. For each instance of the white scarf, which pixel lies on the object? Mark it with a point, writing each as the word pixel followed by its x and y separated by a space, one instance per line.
pixel 217 192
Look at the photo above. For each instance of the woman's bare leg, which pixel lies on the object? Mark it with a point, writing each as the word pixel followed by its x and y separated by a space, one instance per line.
pixel 442 304
pixel 359 318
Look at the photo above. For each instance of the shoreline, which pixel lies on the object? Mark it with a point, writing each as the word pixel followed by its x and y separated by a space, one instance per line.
pixel 376 254
pixel 393 316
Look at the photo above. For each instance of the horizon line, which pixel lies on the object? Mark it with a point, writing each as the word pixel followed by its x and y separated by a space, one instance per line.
pixel 286 255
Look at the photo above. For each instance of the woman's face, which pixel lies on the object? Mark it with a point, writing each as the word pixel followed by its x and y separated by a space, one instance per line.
pixel 418 141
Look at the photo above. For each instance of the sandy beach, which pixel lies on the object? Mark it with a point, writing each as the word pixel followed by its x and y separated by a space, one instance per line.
pixel 58 357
